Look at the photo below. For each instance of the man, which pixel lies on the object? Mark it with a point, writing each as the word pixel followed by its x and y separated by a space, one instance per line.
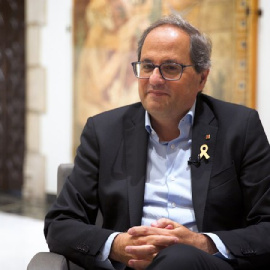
pixel 182 179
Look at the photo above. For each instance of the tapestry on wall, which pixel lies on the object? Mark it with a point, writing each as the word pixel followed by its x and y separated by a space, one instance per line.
pixel 105 43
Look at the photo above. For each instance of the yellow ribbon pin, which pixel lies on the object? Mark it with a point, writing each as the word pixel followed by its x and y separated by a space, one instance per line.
pixel 203 153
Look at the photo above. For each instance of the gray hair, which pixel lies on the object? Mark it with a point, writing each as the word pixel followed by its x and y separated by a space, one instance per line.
pixel 200 44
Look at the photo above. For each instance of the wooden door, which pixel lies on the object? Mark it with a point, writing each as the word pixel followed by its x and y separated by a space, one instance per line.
pixel 12 94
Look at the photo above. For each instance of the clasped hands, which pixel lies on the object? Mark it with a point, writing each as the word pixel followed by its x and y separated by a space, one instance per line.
pixel 139 245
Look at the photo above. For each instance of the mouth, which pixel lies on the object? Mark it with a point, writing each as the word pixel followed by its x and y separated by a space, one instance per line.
pixel 157 93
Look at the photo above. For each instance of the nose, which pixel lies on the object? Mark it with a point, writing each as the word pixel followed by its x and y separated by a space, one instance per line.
pixel 156 77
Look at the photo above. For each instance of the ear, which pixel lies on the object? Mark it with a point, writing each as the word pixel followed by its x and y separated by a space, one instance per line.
pixel 204 75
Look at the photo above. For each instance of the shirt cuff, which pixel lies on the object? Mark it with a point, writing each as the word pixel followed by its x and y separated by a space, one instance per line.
pixel 103 261
pixel 223 253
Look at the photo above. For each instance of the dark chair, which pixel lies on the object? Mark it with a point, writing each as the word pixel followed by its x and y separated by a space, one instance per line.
pixel 49 260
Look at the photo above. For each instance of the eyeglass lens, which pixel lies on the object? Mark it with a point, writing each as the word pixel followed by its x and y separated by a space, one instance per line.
pixel 171 71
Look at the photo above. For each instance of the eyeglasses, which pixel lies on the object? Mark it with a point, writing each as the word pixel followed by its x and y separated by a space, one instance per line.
pixel 168 71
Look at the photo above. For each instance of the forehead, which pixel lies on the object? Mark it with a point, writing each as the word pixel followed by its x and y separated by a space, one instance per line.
pixel 166 41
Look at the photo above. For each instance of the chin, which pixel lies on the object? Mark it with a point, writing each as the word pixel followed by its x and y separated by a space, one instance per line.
pixel 156 109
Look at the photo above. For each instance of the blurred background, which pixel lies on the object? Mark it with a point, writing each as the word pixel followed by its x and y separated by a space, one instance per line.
pixel 63 61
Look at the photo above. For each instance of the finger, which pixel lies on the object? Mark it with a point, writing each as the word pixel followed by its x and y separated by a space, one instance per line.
pixel 158 229
pixel 143 252
pixel 138 264
pixel 169 227
pixel 164 226
pixel 165 222
pixel 145 231
pixel 162 240
pixel 140 251
pixel 156 240
pixel 141 230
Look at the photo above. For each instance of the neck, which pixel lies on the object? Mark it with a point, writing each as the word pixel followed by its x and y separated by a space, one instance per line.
pixel 166 130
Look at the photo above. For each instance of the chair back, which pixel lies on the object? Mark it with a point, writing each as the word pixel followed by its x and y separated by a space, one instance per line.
pixel 64 170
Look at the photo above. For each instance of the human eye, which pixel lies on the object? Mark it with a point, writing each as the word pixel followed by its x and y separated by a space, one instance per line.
pixel 171 68
pixel 147 66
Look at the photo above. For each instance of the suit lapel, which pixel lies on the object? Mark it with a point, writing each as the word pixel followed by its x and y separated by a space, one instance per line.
pixel 204 132
pixel 136 139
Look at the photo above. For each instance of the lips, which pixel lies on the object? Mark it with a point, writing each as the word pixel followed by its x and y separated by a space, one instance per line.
pixel 157 92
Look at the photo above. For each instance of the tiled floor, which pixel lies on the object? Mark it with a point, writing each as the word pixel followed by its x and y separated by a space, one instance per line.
pixel 21 232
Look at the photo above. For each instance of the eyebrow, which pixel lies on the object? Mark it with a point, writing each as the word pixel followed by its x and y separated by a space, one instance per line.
pixel 166 61
pixel 146 60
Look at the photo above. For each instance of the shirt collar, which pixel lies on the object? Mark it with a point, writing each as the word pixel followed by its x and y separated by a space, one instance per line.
pixel 189 117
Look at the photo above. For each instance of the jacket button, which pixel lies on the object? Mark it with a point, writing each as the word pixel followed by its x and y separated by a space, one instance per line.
pixel 83 248
pixel 248 252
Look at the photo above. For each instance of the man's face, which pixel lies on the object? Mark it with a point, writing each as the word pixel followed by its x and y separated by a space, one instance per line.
pixel 162 98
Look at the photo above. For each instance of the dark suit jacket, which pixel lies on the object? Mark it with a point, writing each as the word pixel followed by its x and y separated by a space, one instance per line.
pixel 231 191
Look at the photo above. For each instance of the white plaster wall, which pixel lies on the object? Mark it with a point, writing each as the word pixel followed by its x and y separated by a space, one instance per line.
pixel 263 85
pixel 56 123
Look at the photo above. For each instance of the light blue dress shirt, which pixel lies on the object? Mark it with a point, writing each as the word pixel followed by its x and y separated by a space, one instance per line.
pixel 168 177
pixel 168 185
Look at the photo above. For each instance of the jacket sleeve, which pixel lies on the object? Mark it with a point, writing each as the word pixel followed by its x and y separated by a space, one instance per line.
pixel 251 244
pixel 70 227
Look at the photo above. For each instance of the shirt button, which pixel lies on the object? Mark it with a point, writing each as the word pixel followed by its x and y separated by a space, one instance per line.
pixel 173 205
pixel 172 146
pixel 172 178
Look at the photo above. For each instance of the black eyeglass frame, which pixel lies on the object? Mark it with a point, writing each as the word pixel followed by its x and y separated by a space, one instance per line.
pixel 159 68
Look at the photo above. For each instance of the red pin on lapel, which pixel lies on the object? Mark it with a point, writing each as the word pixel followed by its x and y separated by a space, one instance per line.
pixel 207 136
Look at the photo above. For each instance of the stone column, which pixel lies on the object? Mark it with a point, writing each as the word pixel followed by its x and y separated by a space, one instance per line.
pixel 34 165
